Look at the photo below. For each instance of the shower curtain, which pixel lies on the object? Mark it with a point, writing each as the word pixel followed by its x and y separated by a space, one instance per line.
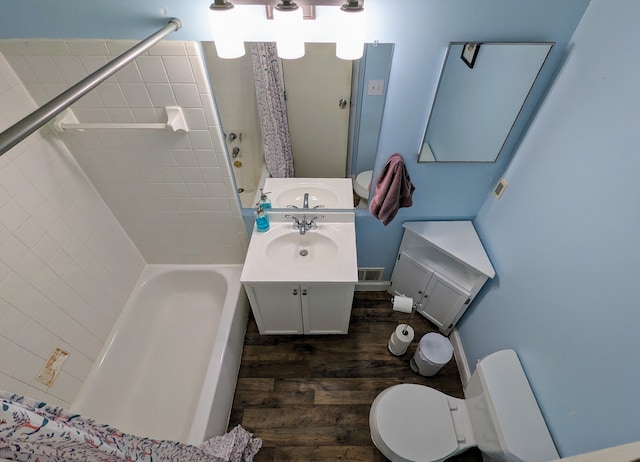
pixel 34 431
pixel 272 110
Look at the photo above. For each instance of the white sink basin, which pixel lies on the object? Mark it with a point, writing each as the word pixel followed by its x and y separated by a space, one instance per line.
pixel 330 193
pixel 282 254
pixel 297 250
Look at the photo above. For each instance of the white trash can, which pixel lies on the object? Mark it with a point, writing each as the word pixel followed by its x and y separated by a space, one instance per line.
pixel 433 352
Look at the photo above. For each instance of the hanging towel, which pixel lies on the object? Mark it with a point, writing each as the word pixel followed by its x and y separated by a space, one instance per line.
pixel 393 190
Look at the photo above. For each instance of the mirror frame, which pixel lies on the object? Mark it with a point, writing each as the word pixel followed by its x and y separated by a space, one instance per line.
pixel 526 102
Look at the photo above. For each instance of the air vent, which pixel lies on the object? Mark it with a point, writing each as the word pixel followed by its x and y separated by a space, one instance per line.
pixel 370 274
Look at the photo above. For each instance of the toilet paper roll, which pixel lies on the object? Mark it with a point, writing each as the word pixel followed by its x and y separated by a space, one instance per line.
pixel 399 341
pixel 402 303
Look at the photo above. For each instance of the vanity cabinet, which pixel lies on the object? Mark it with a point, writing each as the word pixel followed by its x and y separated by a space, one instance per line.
pixel 309 308
pixel 441 265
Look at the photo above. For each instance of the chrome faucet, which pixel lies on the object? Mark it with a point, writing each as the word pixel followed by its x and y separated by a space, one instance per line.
pixel 305 203
pixel 303 224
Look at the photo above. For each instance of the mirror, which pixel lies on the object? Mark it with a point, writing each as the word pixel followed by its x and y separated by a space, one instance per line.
pixel 482 90
pixel 327 111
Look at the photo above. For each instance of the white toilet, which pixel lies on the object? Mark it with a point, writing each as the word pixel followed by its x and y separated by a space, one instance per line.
pixel 361 184
pixel 499 414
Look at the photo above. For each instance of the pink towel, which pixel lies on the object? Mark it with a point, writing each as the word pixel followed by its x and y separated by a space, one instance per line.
pixel 393 190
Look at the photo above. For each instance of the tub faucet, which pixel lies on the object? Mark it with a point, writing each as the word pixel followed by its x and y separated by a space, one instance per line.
pixel 305 202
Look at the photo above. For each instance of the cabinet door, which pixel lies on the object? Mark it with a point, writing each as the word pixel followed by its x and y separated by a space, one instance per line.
pixel 444 300
pixel 326 308
pixel 276 308
pixel 410 278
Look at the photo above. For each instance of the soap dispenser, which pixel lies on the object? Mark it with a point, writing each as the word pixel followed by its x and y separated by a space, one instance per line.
pixel 262 219
pixel 265 202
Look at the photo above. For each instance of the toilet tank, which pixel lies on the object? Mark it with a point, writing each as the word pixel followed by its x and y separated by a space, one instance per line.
pixel 505 417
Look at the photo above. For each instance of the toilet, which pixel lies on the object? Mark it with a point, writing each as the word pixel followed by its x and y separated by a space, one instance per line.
pixel 361 184
pixel 499 415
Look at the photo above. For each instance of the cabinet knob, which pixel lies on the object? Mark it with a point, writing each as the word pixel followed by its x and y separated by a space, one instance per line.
pixel 295 291
pixel 420 292
pixel 304 291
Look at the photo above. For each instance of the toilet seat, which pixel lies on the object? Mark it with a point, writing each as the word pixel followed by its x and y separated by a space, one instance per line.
pixel 412 422
pixel 362 182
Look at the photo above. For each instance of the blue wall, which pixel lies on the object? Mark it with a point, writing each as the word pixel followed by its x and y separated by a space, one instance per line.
pixel 376 65
pixel 422 33
pixel 565 242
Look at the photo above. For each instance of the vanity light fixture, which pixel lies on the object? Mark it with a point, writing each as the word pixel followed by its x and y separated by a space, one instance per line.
pixel 351 30
pixel 289 41
pixel 226 24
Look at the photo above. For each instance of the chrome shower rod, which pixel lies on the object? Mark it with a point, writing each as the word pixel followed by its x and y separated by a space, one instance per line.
pixel 25 127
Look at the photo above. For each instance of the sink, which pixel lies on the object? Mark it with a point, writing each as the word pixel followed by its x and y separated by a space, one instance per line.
pixel 297 250
pixel 331 193
pixel 323 254
pixel 295 196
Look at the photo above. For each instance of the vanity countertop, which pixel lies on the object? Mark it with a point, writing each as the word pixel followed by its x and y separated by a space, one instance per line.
pixel 282 254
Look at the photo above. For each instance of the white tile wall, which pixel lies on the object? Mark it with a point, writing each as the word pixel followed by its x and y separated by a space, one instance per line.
pixel 236 100
pixel 172 193
pixel 66 266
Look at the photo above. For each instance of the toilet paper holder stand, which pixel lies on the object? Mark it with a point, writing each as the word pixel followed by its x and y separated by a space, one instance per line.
pixel 414 307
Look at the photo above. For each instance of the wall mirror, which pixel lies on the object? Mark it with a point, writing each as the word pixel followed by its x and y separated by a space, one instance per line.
pixel 483 88
pixel 325 105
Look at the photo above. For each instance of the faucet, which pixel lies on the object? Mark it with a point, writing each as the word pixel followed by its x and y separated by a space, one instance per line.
pixel 303 224
pixel 305 203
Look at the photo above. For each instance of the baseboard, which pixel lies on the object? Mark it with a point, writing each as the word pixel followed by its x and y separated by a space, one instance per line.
pixel 461 357
pixel 372 286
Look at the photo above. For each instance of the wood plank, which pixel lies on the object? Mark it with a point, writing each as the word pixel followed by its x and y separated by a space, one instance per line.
pixel 334 435
pixel 345 397
pixel 265 384
pixel 305 416
pixel 273 399
pixel 329 453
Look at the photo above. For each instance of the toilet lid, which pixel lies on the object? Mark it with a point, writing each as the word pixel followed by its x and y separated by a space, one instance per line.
pixel 363 179
pixel 415 423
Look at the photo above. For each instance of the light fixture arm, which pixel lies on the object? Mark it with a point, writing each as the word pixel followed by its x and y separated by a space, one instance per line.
pixel 352 6
pixel 287 5
pixel 218 5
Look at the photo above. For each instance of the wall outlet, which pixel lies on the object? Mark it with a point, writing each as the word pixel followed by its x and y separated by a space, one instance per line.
pixel 375 87
pixel 52 367
pixel 498 191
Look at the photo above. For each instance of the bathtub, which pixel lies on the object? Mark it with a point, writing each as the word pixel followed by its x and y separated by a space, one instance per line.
pixel 169 367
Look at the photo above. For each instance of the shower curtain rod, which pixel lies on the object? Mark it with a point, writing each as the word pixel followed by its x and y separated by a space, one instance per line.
pixel 25 127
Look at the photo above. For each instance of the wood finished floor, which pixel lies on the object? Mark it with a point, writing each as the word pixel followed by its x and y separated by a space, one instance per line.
pixel 308 397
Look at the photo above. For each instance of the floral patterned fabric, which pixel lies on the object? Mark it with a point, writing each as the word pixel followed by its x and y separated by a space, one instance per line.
pixel 34 431
pixel 272 109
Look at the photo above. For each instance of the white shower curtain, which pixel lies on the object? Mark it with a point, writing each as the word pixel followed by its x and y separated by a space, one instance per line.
pixel 272 110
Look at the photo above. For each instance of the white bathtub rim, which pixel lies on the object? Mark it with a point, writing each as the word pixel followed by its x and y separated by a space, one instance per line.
pixel 198 431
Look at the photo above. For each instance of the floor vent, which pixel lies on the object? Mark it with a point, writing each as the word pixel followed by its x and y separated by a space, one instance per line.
pixel 370 274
